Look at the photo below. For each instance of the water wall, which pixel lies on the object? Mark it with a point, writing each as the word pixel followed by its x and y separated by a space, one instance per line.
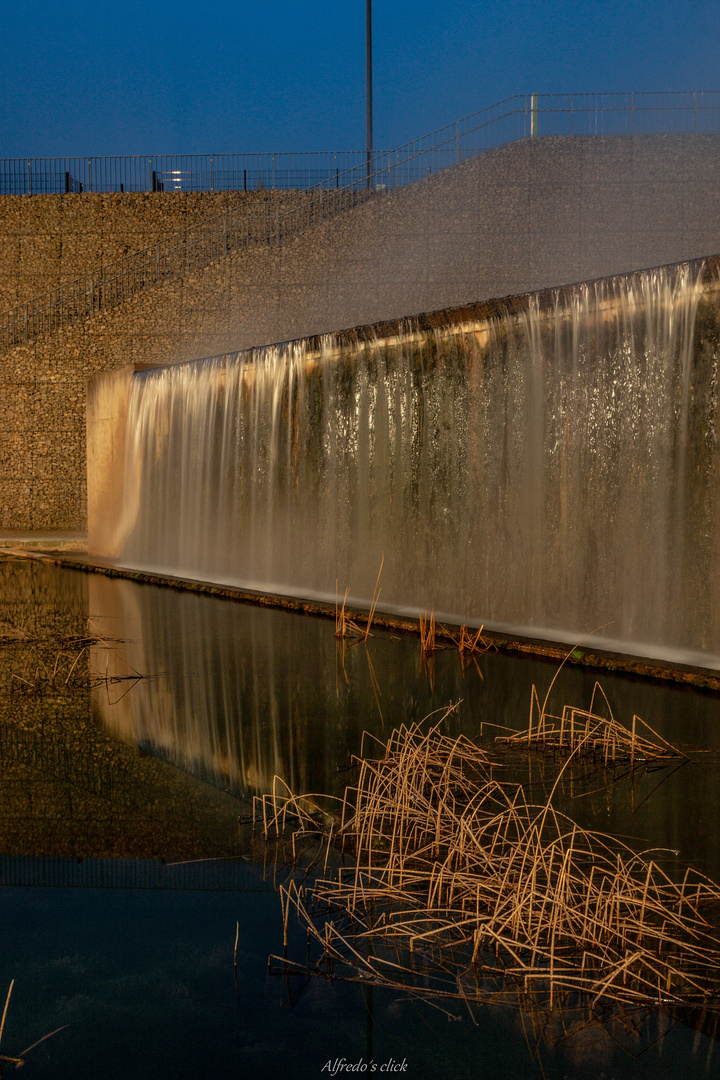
pixel 547 464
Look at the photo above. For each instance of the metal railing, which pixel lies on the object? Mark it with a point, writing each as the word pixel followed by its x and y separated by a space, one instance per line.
pixel 520 117
pixel 175 172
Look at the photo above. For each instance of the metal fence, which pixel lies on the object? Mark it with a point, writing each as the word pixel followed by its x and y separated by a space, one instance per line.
pixel 175 172
pixel 516 118
pixel 521 117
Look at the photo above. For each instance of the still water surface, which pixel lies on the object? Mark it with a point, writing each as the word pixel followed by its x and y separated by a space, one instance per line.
pixel 125 871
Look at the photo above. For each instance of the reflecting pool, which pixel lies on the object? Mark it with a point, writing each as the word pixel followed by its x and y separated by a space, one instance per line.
pixel 136 724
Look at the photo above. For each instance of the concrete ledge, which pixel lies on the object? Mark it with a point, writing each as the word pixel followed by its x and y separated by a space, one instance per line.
pixel 701 678
pixel 44 541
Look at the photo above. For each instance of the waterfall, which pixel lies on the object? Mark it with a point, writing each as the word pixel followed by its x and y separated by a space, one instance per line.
pixel 549 468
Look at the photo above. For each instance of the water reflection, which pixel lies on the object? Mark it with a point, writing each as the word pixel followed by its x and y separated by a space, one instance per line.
pixel 237 694
pixel 70 788
pixel 233 694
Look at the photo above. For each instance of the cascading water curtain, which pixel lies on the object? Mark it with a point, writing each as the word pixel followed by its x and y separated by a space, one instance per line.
pixel 551 472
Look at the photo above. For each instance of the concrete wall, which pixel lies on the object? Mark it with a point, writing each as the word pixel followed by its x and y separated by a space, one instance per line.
pixel 527 216
pixel 107 407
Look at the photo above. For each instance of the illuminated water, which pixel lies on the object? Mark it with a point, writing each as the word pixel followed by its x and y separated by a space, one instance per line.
pixel 135 787
pixel 554 470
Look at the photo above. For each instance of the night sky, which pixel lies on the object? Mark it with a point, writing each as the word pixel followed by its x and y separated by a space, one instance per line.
pixel 186 77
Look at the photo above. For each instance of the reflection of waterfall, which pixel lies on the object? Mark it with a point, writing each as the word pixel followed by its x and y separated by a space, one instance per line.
pixel 236 694
pixel 233 695
pixel 551 471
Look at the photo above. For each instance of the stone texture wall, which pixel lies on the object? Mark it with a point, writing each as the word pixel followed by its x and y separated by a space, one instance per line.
pixel 49 239
pixel 528 216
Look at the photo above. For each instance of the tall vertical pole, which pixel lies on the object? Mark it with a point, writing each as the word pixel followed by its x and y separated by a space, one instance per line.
pixel 368 90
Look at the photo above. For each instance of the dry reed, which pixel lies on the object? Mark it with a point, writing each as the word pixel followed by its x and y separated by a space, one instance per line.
pixel 428 642
pixel 591 737
pixel 19 1061
pixel 459 888
pixel 345 627
pixel 46 661
pixel 469 642
pixel 61 671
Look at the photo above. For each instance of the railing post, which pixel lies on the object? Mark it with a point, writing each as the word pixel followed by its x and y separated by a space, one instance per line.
pixel 533 115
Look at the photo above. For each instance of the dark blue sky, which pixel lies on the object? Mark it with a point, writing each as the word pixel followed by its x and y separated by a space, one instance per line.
pixel 90 78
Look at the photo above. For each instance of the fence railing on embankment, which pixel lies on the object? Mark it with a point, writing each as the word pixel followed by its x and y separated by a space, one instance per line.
pixel 176 172
pixel 520 117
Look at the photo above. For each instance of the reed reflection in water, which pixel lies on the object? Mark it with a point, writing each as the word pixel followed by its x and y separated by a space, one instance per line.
pixel 234 693
pixel 238 694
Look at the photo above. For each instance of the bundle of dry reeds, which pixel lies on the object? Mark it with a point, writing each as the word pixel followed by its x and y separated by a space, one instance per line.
pixel 591 736
pixel 428 642
pixel 458 887
pixel 469 641
pixel 345 627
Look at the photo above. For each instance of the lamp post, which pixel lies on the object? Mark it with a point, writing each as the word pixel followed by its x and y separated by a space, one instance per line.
pixel 368 90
